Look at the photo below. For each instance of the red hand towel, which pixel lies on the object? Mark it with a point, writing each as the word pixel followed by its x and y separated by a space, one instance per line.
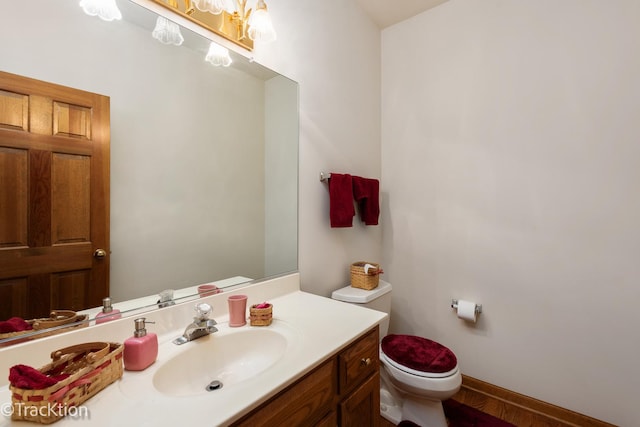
pixel 15 324
pixel 26 377
pixel 366 193
pixel 341 210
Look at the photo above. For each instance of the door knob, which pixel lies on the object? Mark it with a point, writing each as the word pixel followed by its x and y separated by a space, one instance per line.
pixel 100 253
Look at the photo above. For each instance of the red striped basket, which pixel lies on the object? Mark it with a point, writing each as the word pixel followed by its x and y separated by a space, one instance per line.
pixel 91 367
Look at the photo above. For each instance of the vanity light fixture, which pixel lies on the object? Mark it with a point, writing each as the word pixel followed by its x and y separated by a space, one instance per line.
pixel 212 6
pixel 230 19
pixel 218 55
pixel 260 25
pixel 167 32
pixel 107 10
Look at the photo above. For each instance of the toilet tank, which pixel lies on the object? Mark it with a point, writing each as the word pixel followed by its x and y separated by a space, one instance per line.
pixel 377 299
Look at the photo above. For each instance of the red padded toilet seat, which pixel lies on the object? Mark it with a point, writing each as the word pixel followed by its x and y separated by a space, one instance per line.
pixel 418 353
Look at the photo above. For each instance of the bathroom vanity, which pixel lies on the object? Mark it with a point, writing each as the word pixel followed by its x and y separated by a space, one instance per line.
pixel 344 390
pixel 316 364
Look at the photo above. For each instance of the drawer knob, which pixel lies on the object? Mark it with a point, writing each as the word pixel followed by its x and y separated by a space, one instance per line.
pixel 365 362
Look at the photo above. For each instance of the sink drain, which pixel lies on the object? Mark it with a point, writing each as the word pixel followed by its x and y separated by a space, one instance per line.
pixel 214 385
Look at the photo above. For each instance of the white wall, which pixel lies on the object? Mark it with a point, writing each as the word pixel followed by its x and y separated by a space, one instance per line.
pixel 333 50
pixel 510 155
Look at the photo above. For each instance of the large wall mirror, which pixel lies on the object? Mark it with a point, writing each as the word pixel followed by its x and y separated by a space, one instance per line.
pixel 204 159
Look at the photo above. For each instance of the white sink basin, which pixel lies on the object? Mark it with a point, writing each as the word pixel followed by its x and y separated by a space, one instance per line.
pixel 229 358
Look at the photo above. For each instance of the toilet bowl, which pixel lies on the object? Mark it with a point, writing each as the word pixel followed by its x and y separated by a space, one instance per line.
pixel 423 373
pixel 416 374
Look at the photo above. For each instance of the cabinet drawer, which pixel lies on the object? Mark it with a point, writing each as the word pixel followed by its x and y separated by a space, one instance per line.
pixel 358 361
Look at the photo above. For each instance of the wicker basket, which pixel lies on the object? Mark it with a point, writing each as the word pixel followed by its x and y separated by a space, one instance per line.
pixel 362 280
pixel 260 316
pixel 91 367
pixel 46 326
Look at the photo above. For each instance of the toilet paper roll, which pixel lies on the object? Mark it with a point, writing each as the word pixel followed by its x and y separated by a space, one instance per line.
pixel 467 310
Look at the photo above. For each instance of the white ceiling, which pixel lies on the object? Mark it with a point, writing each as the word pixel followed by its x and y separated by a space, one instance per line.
pixel 389 12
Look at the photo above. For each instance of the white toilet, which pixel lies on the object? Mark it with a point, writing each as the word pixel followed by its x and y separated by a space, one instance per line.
pixel 416 374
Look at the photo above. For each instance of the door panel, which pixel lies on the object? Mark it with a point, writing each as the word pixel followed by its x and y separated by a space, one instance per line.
pixel 71 120
pixel 68 289
pixel 70 197
pixel 13 197
pixel 14 110
pixel 13 294
pixel 54 197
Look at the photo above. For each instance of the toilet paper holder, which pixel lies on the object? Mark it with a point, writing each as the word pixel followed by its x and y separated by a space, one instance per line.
pixel 454 305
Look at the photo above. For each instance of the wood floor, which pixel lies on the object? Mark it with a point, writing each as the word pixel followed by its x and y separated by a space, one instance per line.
pixel 519 410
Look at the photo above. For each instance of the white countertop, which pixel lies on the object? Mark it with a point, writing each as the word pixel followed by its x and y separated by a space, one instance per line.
pixel 322 326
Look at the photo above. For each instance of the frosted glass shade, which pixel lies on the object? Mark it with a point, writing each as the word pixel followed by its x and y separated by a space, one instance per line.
pixel 218 55
pixel 212 6
pixel 260 25
pixel 167 32
pixel 107 10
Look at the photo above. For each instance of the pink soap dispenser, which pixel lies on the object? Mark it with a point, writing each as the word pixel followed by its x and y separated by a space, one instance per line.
pixel 141 350
pixel 108 312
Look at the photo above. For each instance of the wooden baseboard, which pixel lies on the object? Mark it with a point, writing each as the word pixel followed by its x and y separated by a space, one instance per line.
pixel 519 409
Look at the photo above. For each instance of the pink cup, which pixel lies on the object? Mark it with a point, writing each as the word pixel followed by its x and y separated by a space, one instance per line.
pixel 206 290
pixel 237 310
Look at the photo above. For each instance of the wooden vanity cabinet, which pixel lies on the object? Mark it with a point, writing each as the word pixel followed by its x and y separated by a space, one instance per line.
pixel 359 382
pixel 343 391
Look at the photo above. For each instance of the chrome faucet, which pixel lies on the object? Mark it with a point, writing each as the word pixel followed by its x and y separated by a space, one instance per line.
pixel 166 298
pixel 200 326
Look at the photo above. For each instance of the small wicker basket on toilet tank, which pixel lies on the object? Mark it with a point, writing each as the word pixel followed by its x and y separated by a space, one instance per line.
pixel 365 280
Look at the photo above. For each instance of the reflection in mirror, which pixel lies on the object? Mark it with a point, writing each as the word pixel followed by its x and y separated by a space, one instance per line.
pixel 203 158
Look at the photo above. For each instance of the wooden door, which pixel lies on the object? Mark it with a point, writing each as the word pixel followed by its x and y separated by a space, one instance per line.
pixel 54 197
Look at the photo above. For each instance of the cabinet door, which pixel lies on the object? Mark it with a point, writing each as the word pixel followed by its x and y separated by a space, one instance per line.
pixel 302 404
pixel 362 407
pixel 330 420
